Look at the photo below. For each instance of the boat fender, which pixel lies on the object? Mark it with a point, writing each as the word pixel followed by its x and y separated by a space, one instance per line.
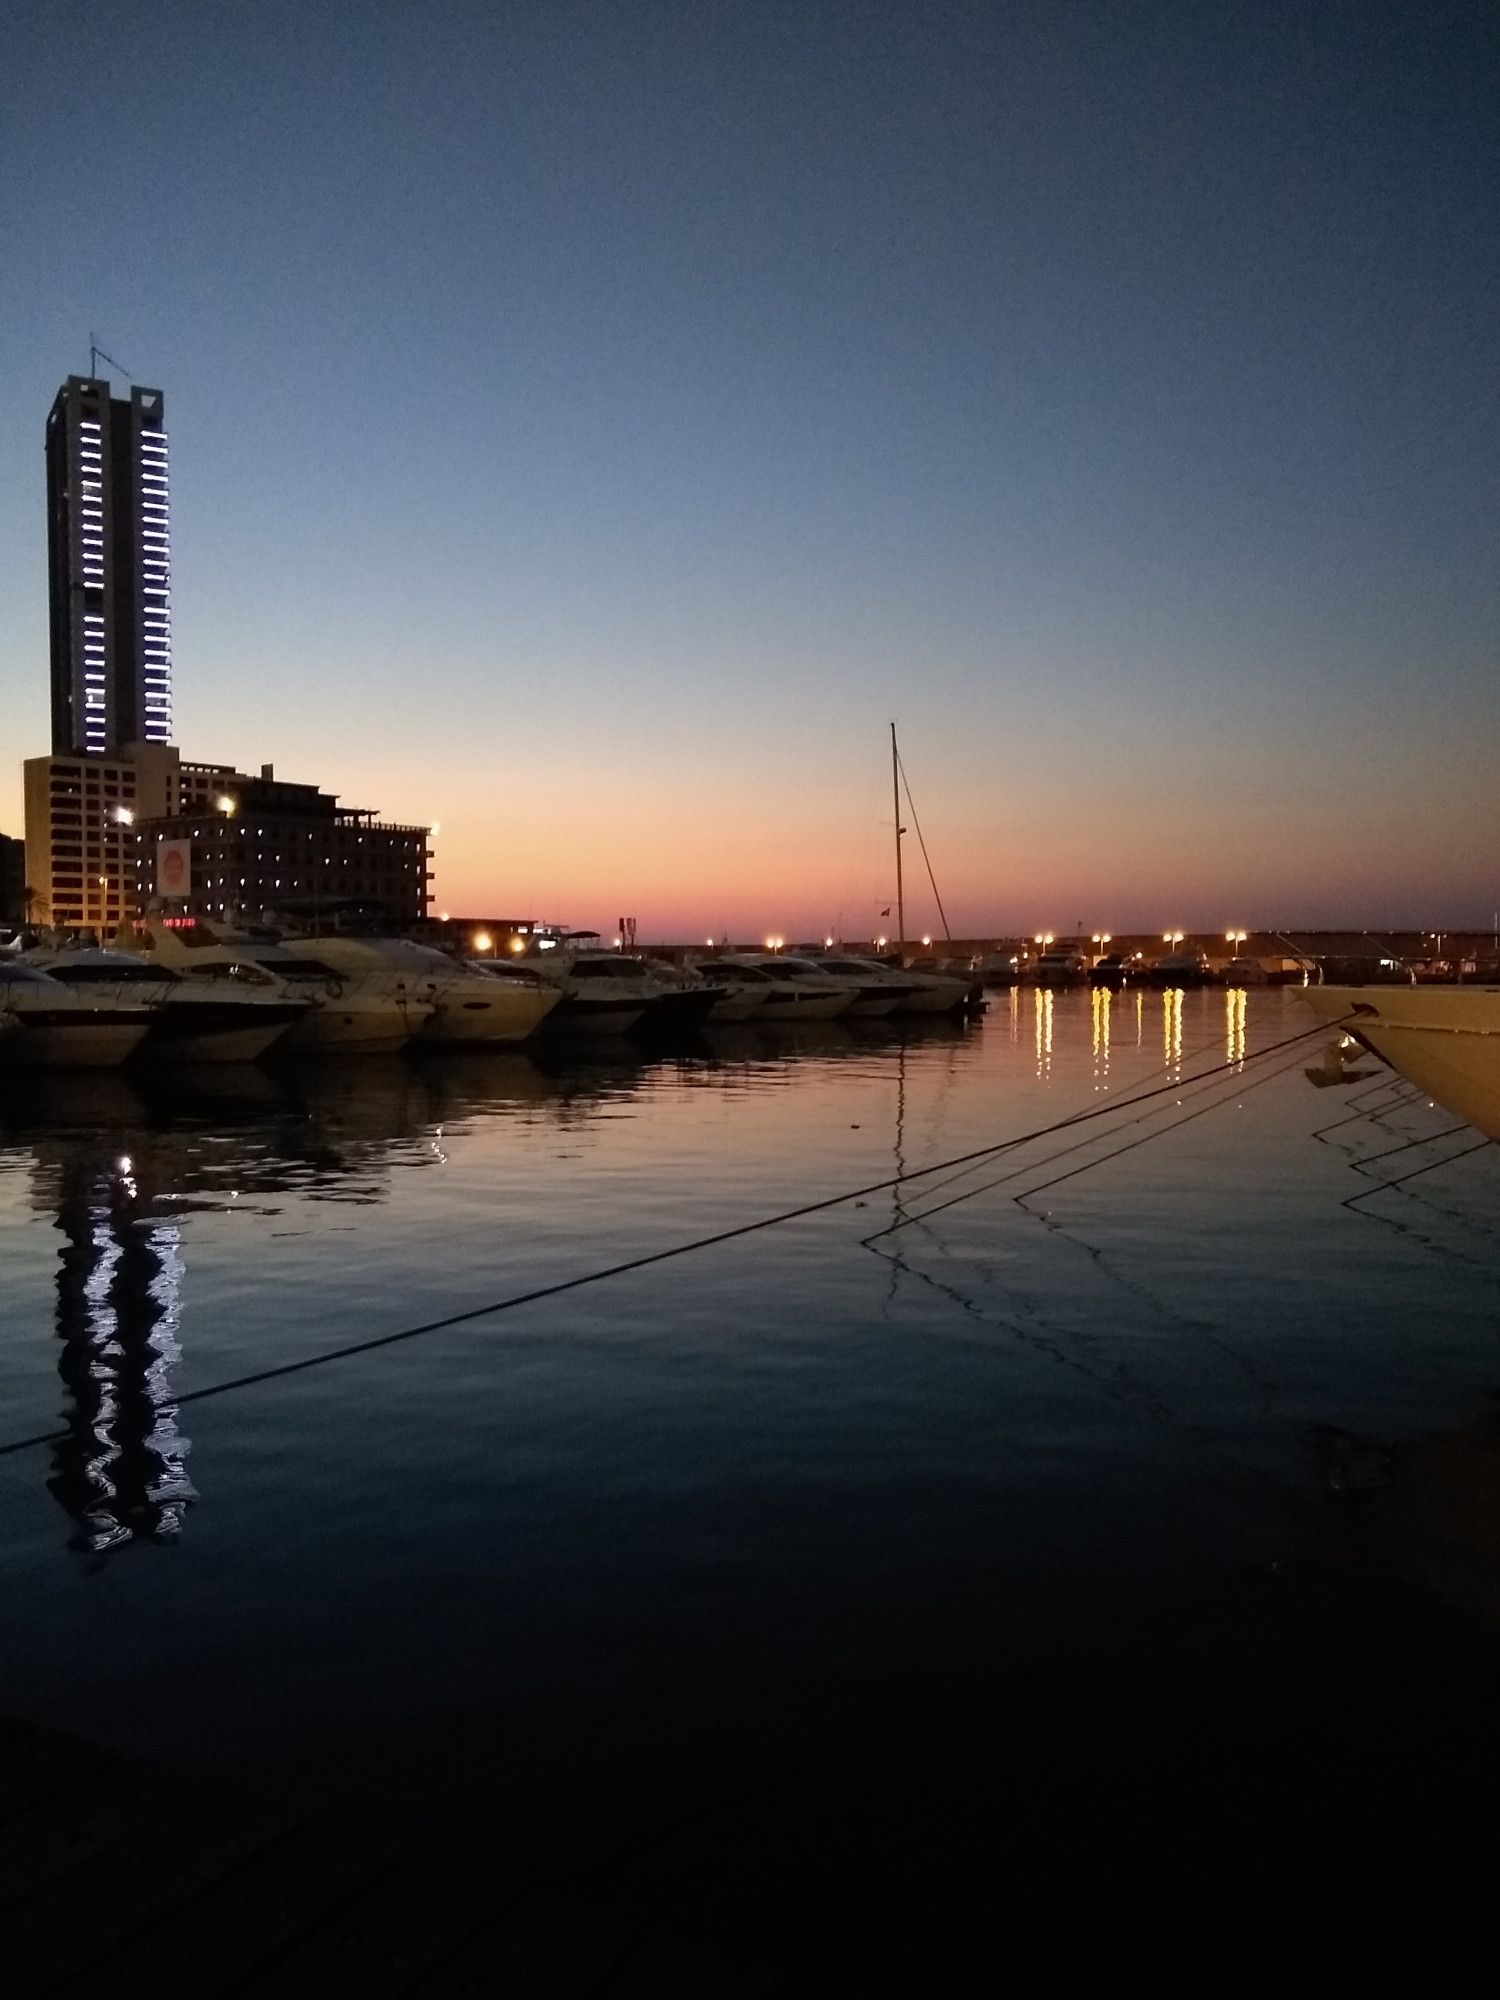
pixel 333 986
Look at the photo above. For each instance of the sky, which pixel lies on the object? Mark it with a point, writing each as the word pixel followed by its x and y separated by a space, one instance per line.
pixel 594 424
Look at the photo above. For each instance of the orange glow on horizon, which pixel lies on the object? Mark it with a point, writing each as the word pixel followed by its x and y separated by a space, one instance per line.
pixel 711 848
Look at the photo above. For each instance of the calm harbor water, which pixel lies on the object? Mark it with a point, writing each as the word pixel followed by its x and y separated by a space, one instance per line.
pixel 619 1550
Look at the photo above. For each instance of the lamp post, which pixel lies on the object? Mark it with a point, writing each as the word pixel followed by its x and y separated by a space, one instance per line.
pixel 1235 939
pixel 1099 939
pixel 1172 938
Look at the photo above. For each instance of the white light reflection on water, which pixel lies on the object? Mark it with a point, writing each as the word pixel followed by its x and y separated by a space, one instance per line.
pixel 743 1497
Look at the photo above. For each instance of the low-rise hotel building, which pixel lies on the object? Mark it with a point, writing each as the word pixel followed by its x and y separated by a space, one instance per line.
pixel 263 845
pixel 84 819
pixel 106 836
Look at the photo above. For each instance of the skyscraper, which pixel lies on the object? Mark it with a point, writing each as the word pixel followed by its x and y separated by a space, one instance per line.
pixel 109 563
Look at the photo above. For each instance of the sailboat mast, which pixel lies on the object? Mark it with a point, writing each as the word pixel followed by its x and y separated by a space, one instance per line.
pixel 900 893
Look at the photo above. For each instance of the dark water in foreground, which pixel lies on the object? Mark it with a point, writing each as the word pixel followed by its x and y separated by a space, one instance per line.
pixel 628 1548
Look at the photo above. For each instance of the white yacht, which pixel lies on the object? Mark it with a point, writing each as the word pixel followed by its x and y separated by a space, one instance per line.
pixel 200 1017
pixel 686 999
pixel 1059 968
pixel 367 1015
pixel 1446 1039
pixel 879 989
pixel 53 1028
pixel 602 992
pixel 800 990
pixel 468 1008
pixel 731 1005
pixel 1243 972
pixel 940 989
pixel 1179 969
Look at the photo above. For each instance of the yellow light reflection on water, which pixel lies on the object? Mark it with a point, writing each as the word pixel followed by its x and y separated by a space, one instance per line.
pixel 1102 1001
pixel 1235 999
pixel 1044 1031
pixel 1171 1031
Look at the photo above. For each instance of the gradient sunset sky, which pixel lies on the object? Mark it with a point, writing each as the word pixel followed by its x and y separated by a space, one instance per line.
pixel 593 424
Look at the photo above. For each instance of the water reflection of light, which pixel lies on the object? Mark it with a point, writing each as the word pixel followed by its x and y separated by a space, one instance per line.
pixel 1234 1024
pixel 1044 1031
pixel 1102 1001
pixel 1140 1017
pixel 120 1471
pixel 1171 1031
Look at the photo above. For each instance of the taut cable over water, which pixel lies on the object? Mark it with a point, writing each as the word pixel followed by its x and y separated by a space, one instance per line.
pixel 986 1187
pixel 538 1293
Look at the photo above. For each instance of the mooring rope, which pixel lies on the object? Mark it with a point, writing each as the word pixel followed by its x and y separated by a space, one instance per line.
pixel 279 1371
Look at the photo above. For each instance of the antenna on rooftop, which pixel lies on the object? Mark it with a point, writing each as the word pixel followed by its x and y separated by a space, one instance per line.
pixel 97 354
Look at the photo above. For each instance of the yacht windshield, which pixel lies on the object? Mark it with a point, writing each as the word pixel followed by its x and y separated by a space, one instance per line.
pixel 125 972
pixel 241 975
pixel 302 968
pixel 498 969
pixel 605 968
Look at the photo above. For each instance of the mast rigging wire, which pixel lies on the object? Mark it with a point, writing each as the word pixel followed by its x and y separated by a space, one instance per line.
pixel 917 827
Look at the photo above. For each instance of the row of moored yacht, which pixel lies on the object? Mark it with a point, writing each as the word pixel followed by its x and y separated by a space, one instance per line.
pixel 215 993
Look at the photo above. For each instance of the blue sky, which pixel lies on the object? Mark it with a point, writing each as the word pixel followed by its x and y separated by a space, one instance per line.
pixel 592 424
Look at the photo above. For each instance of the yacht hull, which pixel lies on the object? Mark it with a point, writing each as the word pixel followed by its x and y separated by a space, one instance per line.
pixel 872 1006
pixel 474 1018
pixel 1445 1039
pixel 576 1016
pixel 64 1041
pixel 679 1013
pixel 215 1032
pixel 780 1007
pixel 743 1004
pixel 351 1026
pixel 944 996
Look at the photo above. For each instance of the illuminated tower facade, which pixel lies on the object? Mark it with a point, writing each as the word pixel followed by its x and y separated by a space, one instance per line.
pixel 109 568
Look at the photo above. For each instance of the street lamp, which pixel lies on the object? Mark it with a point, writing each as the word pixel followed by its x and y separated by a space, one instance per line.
pixel 1173 938
pixel 1235 938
